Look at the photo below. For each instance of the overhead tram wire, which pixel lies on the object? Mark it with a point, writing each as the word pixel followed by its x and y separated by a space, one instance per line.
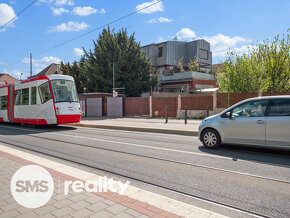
pixel 98 28
pixel 18 14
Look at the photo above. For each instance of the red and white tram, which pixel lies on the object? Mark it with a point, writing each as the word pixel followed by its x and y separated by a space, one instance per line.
pixel 40 100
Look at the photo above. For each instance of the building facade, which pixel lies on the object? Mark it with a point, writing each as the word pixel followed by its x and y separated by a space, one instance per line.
pixel 164 58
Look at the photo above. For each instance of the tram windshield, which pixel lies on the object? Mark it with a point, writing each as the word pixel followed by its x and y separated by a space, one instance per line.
pixel 64 91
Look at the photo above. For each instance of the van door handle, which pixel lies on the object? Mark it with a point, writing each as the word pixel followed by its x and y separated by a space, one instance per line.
pixel 260 121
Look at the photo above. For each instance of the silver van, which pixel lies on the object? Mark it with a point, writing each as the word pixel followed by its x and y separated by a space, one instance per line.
pixel 262 121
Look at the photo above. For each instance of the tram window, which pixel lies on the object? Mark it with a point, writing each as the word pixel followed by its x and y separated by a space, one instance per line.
pixel 44 92
pixel 3 102
pixel 17 97
pixel 33 96
pixel 25 96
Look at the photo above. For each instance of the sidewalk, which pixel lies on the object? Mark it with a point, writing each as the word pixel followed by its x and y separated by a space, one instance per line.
pixel 143 125
pixel 134 203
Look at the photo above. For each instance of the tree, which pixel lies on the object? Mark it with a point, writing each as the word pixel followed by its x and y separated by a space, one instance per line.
pixel 179 68
pixel 131 66
pixel 265 67
pixel 193 65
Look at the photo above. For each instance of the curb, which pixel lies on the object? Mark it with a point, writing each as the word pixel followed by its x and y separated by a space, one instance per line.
pixel 139 129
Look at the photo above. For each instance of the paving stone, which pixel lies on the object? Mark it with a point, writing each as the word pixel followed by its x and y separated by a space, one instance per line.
pixel 12 206
pixel 109 202
pixel 143 216
pixel 45 210
pixel 62 203
pixel 80 205
pixel 97 206
pixel 63 211
pixel 94 199
pixel 115 209
pixel 82 213
pixel 102 214
pixel 78 197
pixel 10 214
pixel 123 215
pixel 132 212
pixel 49 215
pixel 28 215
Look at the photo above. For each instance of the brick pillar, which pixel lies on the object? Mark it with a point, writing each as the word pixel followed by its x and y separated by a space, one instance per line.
pixel 150 106
pixel 178 106
pixel 214 102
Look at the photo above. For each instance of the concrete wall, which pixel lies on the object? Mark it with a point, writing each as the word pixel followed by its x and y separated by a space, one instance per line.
pixel 115 107
pixel 94 107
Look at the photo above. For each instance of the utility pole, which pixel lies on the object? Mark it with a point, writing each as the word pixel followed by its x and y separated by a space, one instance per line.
pixel 30 65
pixel 114 79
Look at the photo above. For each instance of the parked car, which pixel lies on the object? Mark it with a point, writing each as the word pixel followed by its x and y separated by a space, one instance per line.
pixel 262 121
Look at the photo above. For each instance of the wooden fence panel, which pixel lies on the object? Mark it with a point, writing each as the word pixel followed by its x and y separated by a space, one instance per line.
pixel 137 106
pixel 159 104
pixel 197 102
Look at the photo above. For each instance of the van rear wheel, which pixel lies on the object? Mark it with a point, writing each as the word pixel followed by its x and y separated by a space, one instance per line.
pixel 211 139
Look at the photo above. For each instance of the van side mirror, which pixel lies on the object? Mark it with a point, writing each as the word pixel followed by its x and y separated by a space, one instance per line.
pixel 228 114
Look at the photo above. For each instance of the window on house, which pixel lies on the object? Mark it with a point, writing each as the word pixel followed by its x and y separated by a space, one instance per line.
pixel 160 53
pixel 203 54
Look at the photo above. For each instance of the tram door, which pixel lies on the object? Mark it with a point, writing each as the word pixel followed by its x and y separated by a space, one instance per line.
pixel 11 99
pixel 33 103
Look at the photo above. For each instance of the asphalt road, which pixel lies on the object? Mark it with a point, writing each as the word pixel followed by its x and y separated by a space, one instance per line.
pixel 255 180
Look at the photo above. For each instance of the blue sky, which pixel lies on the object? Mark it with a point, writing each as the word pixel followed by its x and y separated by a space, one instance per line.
pixel 226 24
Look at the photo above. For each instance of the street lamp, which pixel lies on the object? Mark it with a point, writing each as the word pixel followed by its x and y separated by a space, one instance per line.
pixel 20 76
pixel 85 89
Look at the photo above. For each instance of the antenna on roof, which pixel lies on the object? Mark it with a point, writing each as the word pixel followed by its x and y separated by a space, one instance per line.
pixel 175 38
pixel 30 65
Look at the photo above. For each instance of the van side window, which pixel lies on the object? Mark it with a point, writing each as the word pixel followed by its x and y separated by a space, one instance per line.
pixel 33 96
pixel 3 102
pixel 279 107
pixel 17 97
pixel 44 92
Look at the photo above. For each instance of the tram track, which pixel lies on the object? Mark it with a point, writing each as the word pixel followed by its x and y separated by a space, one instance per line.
pixel 203 199
pixel 157 158
pixel 89 163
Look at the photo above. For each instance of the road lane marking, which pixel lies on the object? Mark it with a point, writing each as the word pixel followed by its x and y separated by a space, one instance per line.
pixel 126 143
pixel 166 149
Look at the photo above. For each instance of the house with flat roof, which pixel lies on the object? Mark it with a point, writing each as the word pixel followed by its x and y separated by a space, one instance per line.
pixel 164 57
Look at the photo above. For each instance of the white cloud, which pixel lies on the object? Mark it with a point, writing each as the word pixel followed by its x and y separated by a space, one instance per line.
pixel 154 8
pixel 15 73
pixel 160 20
pixel 185 33
pixel 241 50
pixel 6 14
pixel 161 39
pixel 40 64
pixel 221 42
pixel 102 11
pixel 69 27
pixel 84 11
pixel 59 11
pixel 78 52
pixel 64 2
